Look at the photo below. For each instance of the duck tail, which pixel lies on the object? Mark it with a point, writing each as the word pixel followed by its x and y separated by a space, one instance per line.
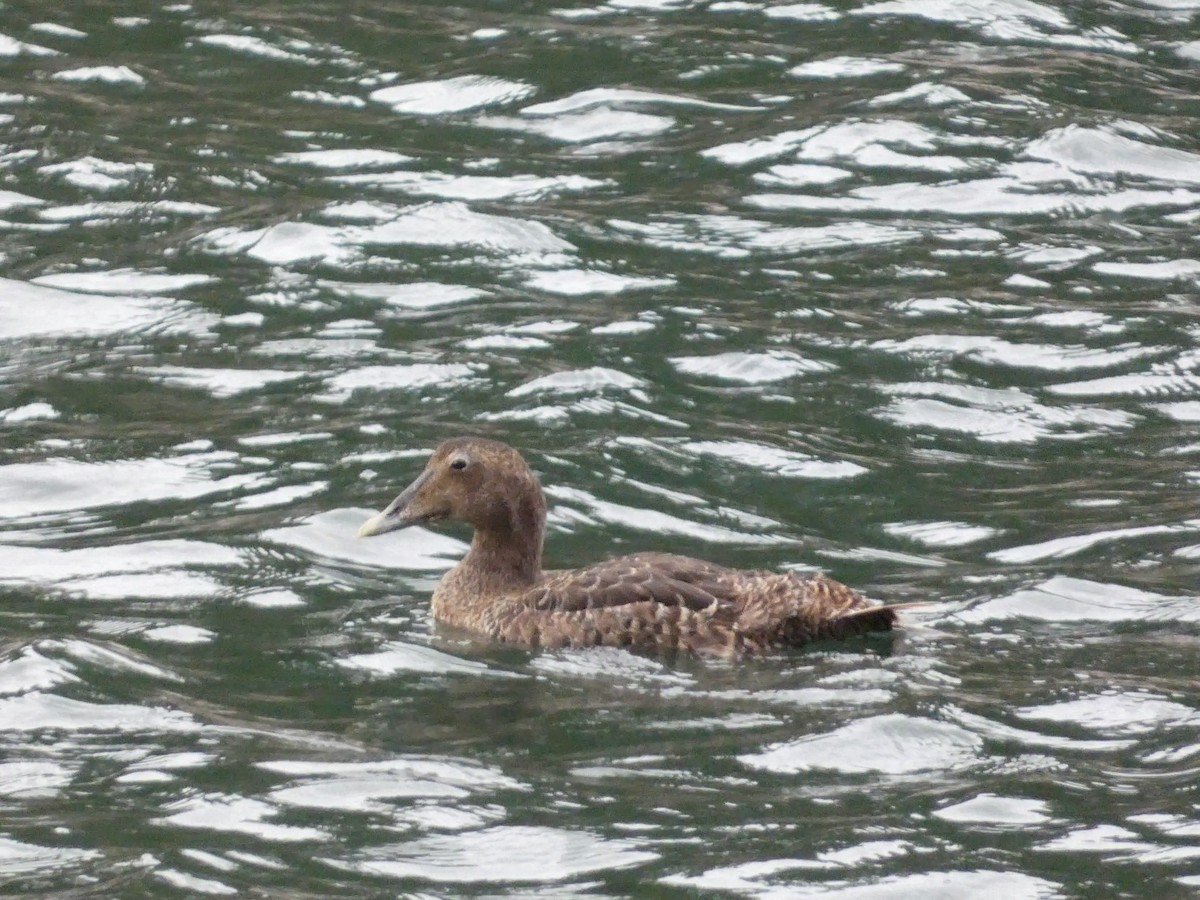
pixel 867 619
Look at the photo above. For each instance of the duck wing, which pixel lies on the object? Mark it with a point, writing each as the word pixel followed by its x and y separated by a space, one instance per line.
pixel 669 603
pixel 658 578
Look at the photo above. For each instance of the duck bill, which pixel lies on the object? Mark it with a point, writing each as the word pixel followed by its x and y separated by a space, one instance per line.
pixel 398 514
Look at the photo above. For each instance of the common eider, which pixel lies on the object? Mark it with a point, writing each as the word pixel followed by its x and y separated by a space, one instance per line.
pixel 656 602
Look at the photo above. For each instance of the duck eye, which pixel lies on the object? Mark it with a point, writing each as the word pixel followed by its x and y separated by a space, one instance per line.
pixel 459 464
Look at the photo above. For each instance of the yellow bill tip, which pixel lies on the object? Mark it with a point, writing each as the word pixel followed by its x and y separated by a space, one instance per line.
pixel 371 527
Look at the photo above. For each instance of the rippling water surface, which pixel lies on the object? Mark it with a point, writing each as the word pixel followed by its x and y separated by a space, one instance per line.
pixel 901 290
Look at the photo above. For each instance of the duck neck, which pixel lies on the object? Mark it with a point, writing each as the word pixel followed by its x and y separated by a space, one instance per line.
pixel 505 556
pixel 505 559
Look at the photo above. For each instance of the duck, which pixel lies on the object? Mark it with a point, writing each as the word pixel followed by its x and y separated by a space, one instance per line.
pixel 661 603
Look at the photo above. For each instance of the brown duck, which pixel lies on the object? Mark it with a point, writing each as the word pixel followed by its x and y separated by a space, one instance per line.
pixel 651 601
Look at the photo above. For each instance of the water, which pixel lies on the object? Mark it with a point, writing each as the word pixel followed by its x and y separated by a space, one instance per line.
pixel 905 291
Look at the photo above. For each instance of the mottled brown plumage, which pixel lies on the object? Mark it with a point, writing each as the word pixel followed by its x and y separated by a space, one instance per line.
pixel 651 601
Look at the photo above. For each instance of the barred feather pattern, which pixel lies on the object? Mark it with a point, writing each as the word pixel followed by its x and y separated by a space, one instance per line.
pixel 665 603
pixel 649 601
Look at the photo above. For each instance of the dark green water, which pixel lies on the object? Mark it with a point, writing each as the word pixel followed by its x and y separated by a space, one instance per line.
pixel 904 291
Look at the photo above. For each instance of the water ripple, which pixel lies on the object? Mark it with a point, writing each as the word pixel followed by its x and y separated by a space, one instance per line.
pixel 890 744
pixel 451 95
pixel 905 289
pixel 505 853
pixel 1065 599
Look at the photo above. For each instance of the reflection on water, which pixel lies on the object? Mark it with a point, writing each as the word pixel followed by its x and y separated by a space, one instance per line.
pixel 903 290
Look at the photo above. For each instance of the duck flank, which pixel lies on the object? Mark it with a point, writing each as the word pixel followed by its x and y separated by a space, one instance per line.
pixel 656 602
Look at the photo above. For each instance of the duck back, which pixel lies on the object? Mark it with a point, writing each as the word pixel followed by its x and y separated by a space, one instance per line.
pixel 669 603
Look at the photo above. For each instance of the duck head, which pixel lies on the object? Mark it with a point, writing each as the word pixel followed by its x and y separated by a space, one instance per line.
pixel 484 483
